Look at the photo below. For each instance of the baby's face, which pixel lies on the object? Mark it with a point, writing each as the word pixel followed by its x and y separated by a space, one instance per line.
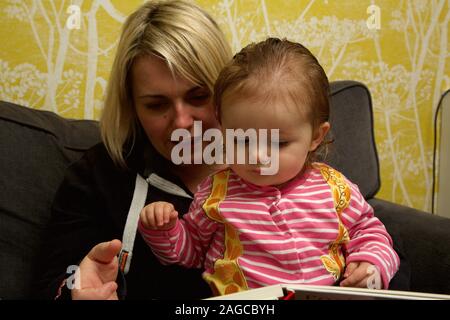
pixel 294 142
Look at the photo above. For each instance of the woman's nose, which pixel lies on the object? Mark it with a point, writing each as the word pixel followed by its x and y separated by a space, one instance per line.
pixel 182 116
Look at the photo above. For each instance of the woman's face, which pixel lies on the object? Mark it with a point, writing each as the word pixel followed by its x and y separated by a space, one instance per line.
pixel 165 103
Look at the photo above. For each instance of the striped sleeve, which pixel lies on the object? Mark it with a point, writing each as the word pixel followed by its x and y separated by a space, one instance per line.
pixel 369 239
pixel 187 242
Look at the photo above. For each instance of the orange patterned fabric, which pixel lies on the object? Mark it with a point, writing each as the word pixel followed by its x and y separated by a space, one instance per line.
pixel 334 261
pixel 227 277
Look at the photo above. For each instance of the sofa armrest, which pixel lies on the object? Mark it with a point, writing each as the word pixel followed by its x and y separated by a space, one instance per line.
pixel 35 149
pixel 425 241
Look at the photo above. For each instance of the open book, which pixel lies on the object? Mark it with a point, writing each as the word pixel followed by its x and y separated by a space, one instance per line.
pixel 312 292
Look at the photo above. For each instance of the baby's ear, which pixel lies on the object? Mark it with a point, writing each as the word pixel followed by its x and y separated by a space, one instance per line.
pixel 319 135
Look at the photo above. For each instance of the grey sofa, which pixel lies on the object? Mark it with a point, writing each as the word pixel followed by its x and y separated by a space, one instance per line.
pixel 37 146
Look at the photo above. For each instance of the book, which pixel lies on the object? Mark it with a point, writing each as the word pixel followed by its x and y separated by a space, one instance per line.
pixel 314 292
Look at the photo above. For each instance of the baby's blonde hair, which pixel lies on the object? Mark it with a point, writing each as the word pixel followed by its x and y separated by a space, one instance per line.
pixel 181 33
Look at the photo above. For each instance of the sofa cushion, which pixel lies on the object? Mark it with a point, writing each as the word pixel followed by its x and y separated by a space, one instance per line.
pixel 424 239
pixel 36 147
pixel 353 151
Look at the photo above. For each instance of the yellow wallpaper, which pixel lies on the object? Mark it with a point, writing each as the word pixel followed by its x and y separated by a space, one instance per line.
pixel 399 49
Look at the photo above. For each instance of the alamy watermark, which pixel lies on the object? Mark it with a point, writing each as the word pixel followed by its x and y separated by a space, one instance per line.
pixel 374 280
pixel 373 22
pixel 74 19
pixel 255 143
pixel 73 281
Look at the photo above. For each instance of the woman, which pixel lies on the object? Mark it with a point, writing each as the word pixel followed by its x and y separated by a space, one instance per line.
pixel 167 60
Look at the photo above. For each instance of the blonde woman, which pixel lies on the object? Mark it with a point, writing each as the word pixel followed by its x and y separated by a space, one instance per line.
pixel 168 58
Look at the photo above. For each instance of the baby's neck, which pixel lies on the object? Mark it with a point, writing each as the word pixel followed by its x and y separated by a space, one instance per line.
pixel 298 175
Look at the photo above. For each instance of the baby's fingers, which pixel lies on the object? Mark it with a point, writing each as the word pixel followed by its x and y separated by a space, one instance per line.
pixel 159 215
pixel 372 280
pixel 170 215
pixel 355 277
pixel 148 217
pixel 352 266
pixel 162 213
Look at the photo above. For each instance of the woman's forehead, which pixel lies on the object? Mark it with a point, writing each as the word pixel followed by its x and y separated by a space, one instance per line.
pixel 150 75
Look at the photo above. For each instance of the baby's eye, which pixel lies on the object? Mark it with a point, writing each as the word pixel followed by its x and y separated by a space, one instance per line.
pixel 280 143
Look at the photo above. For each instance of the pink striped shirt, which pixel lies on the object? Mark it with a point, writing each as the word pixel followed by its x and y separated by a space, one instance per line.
pixel 284 233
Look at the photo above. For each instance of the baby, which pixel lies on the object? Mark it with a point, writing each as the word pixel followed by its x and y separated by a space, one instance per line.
pixel 304 224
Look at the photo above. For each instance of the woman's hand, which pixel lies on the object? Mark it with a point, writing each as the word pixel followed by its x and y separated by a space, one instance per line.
pixel 361 275
pixel 98 272
pixel 159 215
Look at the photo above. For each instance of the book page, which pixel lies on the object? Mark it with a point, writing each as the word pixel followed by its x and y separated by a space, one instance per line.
pixel 314 292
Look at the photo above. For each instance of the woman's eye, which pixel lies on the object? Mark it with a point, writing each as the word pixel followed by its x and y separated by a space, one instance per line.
pixel 156 106
pixel 199 99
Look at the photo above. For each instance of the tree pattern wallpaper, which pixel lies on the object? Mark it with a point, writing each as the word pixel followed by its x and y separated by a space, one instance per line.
pixel 56 55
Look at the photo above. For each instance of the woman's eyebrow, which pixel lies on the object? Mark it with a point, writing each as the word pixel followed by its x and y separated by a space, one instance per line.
pixel 154 96
pixel 161 96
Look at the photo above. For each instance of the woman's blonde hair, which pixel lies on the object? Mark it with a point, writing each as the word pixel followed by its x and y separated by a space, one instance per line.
pixel 179 32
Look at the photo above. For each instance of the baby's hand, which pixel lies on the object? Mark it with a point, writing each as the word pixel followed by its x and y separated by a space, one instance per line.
pixel 361 275
pixel 159 215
